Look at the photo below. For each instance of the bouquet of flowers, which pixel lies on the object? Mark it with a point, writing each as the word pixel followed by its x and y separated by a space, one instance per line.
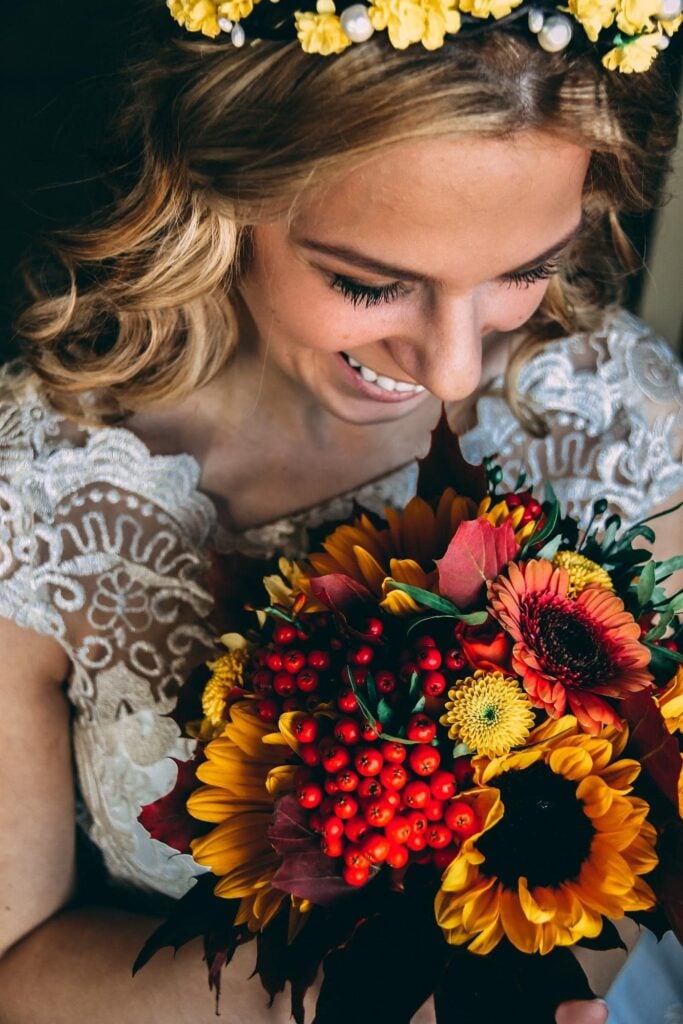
pixel 446 750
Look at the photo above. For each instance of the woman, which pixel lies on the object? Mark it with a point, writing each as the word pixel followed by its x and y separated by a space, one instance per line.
pixel 313 256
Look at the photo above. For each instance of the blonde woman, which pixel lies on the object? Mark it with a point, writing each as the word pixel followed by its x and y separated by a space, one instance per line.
pixel 315 254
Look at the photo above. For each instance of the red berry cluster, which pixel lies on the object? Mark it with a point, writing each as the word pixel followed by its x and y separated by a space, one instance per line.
pixel 533 511
pixel 379 801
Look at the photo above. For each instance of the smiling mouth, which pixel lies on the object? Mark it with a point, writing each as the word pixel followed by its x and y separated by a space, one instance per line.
pixel 386 383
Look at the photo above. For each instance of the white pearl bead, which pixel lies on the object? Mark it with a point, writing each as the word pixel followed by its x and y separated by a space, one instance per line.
pixel 663 43
pixel 356 24
pixel 556 34
pixel 669 9
pixel 238 35
pixel 535 19
pixel 225 25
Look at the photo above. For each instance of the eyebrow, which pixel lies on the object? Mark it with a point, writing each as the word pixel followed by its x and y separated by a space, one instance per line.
pixel 379 267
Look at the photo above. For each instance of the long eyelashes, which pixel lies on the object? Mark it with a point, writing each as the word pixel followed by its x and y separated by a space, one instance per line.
pixel 369 295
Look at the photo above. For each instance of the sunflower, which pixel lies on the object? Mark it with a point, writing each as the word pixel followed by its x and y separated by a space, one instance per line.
pixel 568 651
pixel 497 512
pixel 245 772
pixel 670 703
pixel 489 712
pixel 404 550
pixel 561 843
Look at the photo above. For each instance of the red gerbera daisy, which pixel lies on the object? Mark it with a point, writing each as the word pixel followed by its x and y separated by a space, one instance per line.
pixel 569 651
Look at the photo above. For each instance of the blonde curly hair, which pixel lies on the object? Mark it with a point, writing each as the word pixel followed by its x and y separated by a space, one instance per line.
pixel 230 138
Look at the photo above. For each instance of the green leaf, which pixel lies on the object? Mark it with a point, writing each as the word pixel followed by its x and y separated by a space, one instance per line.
pixel 658 630
pixel 414 684
pixel 416 623
pixel 646 584
pixel 549 493
pixel 365 710
pixel 440 604
pixel 372 689
pixel 669 566
pixel 461 750
pixel 658 515
pixel 611 530
pixel 385 712
pixel 639 530
pixel 550 549
pixel 546 530
pixel 665 653
pixel 419 705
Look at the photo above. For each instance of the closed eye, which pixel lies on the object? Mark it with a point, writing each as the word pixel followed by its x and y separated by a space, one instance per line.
pixel 525 278
pixel 365 294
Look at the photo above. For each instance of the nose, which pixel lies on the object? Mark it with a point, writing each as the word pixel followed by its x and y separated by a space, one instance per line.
pixel 446 347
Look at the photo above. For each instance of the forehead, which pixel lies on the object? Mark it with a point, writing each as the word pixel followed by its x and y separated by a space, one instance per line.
pixel 425 203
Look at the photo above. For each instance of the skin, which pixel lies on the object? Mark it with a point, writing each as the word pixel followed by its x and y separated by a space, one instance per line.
pixel 462 214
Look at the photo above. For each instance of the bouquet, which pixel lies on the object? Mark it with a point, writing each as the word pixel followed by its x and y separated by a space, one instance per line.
pixel 445 750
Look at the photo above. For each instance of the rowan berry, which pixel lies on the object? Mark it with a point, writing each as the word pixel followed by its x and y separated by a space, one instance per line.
pixel 425 641
pixel 293 661
pixel 331 785
pixel 438 835
pixel 284 633
pixel 416 841
pixel 360 676
pixel 393 776
pixel 307 680
pixel 385 681
pixel 376 847
pixel 362 655
pixel 368 761
pixel 392 797
pixel 347 731
pixel 463 771
pixel 418 821
pixel 274 661
pixel 379 813
pixel 371 733
pixel 416 794
pixel 355 857
pixel 424 759
pixel 420 728
pixel 461 818
pixel 433 684
pixel 306 729
pixel 346 780
pixel 334 758
pixel 392 752
pixel 356 828
pixel 284 684
pixel 442 785
pixel 433 809
pixel 428 658
pixel 332 847
pixel 261 682
pixel 345 806
pixel 319 660
pixel 398 829
pixel 332 827
pixel 347 701
pixel 309 795
pixel 455 660
pixel 397 857
pixel 369 788
pixel 355 876
pixel 309 754
pixel 268 709
pixel 373 627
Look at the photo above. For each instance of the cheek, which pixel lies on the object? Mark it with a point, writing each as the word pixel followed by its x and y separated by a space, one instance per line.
pixel 516 304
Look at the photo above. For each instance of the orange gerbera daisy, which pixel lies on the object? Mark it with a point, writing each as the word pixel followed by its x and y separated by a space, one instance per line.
pixel 245 772
pixel 561 844
pixel 404 550
pixel 569 652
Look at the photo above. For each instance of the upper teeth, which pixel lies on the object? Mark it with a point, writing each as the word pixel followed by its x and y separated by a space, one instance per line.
pixel 388 383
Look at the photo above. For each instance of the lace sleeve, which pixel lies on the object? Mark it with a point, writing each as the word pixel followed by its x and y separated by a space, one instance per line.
pixel 612 404
pixel 101 547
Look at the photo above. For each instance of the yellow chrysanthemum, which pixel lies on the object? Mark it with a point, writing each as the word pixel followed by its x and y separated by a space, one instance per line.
pixel 636 16
pixel 671 703
pixel 489 8
pixel 582 572
pixel 203 15
pixel 320 33
pixel 227 672
pixel 244 773
pixel 405 549
pixel 562 843
pixel 671 27
pixel 415 21
pixel 594 15
pixel 499 513
pixel 634 56
pixel 489 712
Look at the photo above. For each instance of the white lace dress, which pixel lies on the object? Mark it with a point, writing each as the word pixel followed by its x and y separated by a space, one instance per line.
pixel 103 546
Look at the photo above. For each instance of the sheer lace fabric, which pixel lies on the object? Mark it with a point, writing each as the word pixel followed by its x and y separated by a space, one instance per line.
pixel 103 546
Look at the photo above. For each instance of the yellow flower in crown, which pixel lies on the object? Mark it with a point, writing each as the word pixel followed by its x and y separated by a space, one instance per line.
pixel 442 17
pixel 489 8
pixel 636 16
pixel 321 31
pixel 594 15
pixel 559 844
pixel 204 15
pixel 404 20
pixel 636 55
pixel 671 26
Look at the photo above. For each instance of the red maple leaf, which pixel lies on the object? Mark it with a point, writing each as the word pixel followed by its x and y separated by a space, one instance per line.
pixel 167 819
pixel 476 554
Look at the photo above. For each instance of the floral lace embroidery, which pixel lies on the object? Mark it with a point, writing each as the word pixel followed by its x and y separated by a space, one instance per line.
pixel 102 546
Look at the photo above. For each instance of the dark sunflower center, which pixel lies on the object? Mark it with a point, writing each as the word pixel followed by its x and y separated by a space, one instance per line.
pixel 543 834
pixel 570 645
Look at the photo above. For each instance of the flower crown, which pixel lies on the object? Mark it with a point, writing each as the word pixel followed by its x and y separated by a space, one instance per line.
pixel 628 33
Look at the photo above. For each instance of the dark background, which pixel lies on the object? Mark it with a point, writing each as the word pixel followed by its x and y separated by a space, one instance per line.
pixel 60 86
